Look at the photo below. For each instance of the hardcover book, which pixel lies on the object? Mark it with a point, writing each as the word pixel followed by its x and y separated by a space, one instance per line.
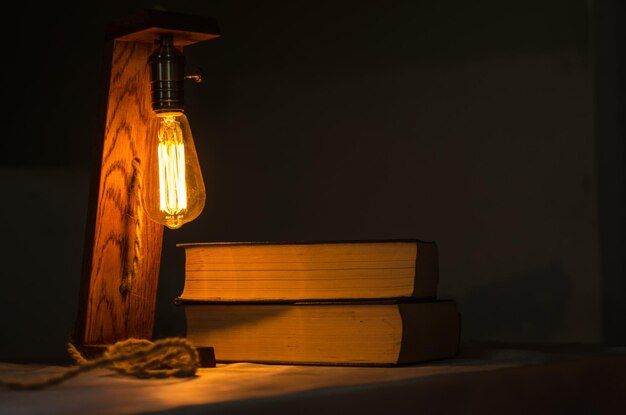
pixel 301 271
pixel 369 333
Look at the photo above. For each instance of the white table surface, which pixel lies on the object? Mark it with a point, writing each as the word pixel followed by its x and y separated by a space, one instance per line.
pixel 487 381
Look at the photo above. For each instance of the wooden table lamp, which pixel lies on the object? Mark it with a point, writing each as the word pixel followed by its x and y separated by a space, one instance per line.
pixel 144 110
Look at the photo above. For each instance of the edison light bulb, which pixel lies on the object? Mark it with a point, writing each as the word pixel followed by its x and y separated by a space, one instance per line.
pixel 174 190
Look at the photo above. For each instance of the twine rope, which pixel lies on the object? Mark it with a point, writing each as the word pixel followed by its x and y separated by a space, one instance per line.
pixel 129 277
pixel 170 357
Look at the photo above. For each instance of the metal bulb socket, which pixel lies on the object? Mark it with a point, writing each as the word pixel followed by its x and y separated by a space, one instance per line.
pixel 167 75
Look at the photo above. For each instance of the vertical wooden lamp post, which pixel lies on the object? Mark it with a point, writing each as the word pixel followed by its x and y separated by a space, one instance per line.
pixel 121 242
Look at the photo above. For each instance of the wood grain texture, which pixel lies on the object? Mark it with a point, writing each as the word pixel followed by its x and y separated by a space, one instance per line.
pixel 105 315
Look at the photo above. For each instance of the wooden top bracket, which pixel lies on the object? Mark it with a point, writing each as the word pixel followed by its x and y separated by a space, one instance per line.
pixel 146 26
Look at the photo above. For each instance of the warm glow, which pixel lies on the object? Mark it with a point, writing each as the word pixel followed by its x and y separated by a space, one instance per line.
pixel 175 191
pixel 172 186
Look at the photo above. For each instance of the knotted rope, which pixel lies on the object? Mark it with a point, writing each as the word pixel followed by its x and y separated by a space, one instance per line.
pixel 171 357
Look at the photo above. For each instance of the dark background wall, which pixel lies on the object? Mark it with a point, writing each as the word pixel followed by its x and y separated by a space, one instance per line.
pixel 474 124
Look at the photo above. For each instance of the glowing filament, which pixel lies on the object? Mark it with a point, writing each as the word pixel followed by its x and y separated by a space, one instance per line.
pixel 174 190
pixel 172 185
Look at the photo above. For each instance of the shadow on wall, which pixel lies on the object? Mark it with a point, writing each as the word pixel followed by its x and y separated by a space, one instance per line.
pixel 41 255
pixel 528 307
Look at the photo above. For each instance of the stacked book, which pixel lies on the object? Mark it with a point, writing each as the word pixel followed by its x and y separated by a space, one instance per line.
pixel 342 303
